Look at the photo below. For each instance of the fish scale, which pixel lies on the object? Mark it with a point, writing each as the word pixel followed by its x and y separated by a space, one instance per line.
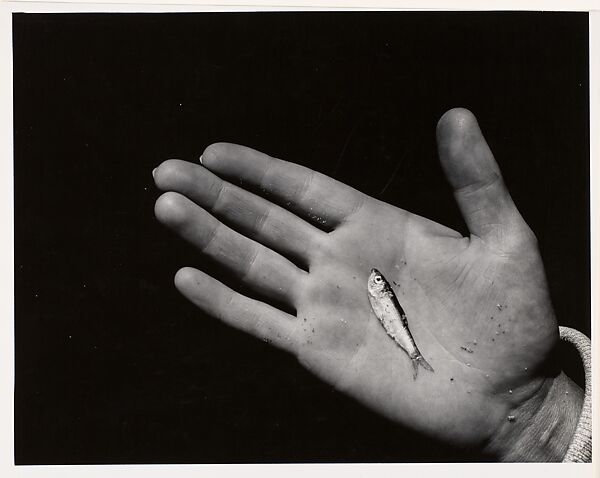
pixel 388 310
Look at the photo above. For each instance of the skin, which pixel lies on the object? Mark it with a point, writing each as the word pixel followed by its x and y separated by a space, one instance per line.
pixel 309 242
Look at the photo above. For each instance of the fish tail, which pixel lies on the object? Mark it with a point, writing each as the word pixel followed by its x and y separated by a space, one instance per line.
pixel 415 363
pixel 419 360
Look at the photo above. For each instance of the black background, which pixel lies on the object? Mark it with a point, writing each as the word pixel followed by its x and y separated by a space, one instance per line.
pixel 112 365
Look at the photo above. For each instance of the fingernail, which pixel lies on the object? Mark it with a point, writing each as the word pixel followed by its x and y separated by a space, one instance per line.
pixel 200 159
pixel 154 172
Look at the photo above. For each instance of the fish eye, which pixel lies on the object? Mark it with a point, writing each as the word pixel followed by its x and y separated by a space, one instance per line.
pixel 378 280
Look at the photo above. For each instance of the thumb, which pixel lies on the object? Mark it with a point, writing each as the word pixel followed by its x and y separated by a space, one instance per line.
pixel 474 175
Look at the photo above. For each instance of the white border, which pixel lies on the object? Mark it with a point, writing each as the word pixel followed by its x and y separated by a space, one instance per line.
pixel 7 468
pixel 548 5
pixel 7 251
pixel 246 5
pixel 594 216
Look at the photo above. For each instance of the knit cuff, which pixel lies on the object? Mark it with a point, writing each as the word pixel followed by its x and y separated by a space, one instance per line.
pixel 580 449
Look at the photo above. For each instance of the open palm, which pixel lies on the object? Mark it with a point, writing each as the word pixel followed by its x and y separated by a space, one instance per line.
pixel 478 306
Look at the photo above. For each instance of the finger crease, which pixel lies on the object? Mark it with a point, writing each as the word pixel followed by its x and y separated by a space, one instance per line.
pixel 211 237
pixel 220 197
pixel 261 220
pixel 261 181
pixel 250 265
pixel 302 192
pixel 477 186
pixel 227 306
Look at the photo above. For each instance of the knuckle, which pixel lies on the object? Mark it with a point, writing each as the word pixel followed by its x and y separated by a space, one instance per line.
pixel 220 200
pixel 305 189
pixel 522 232
pixel 517 238
pixel 249 270
pixel 262 226
pixel 321 248
pixel 528 238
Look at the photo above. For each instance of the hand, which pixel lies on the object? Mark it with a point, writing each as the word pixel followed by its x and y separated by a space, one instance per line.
pixel 478 306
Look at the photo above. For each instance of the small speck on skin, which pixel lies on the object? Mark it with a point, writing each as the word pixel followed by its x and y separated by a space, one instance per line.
pixel 475 342
pixel 525 368
pixel 452 379
pixel 487 375
pixel 493 339
pixel 499 306
pixel 491 317
pixel 511 418
pixel 338 286
pixel 468 364
pixel 468 391
pixel 566 392
pixel 497 333
pixel 466 349
pixel 510 391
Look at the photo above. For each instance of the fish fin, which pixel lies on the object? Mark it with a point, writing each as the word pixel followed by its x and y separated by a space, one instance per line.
pixel 423 362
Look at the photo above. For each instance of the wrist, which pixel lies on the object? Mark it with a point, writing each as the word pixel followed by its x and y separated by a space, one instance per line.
pixel 541 429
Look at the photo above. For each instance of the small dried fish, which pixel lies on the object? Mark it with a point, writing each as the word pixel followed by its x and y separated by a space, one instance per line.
pixel 391 315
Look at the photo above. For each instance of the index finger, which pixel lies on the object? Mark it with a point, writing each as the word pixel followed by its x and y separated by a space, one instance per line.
pixel 312 195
